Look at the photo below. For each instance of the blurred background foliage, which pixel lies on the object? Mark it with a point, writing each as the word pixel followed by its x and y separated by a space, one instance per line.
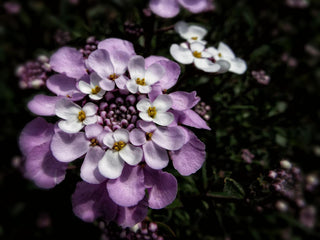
pixel 231 197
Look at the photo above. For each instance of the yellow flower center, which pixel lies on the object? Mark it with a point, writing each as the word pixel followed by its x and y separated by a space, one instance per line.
pixel 152 112
pixel 113 77
pixel 194 38
pixel 95 90
pixel 148 136
pixel 118 145
pixel 197 54
pixel 141 82
pixel 81 116
pixel 219 54
pixel 94 142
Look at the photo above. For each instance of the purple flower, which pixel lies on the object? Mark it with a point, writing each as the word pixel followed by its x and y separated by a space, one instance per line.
pixel 113 115
pixel 171 8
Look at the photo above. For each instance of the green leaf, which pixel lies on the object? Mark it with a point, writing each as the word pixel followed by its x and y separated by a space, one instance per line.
pixel 233 188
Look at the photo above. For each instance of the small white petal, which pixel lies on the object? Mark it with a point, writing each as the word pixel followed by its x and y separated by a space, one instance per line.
pixel 196 46
pixel 136 67
pixel 144 89
pixel 143 105
pixel 154 73
pixel 226 51
pixel 121 135
pixel 90 109
pixel 90 120
pixel 144 116
pixel 132 86
pixel 111 165
pixel 162 103
pixel 66 109
pixel 206 65
pixel 98 95
pixel 108 140
pixel 181 54
pixel 70 126
pixel 224 66
pixel 238 66
pixel 163 118
pixel 131 154
pixel 84 87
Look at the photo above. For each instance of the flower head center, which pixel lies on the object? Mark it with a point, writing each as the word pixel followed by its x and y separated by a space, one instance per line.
pixel 81 116
pixel 194 38
pixel 152 112
pixel 148 136
pixel 94 142
pixel 95 90
pixel 141 82
pixel 113 76
pixel 219 54
pixel 118 145
pixel 197 54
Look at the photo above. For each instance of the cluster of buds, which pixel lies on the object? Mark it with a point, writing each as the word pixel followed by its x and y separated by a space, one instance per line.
pixel 261 77
pixel 204 110
pixel 114 113
pixel 33 74
pixel 145 230
pixel 208 59
pixel 133 29
pixel 91 45
pixel 247 156
pixel 289 183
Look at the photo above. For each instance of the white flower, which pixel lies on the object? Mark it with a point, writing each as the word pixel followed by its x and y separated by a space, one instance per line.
pixel 74 117
pixel 93 89
pixel 237 65
pixel 196 53
pixel 119 152
pixel 157 110
pixel 142 79
pixel 191 33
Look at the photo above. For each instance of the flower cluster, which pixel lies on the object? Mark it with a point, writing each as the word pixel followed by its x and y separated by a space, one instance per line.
pixel 171 8
pixel 33 74
pixel 115 114
pixel 261 77
pixel 207 59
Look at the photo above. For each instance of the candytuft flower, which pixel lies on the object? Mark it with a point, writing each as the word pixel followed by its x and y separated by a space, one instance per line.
pixel 75 117
pixel 157 110
pixel 119 152
pixel 191 33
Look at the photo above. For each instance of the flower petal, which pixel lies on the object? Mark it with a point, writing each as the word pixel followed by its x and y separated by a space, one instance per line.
pixel 206 65
pixel 137 137
pixel 162 103
pixel 183 100
pixel 146 126
pixel 43 105
pixel 164 8
pixel 190 157
pixel 113 45
pixel 121 135
pixel 111 165
pixel 156 157
pixel 67 147
pixel 192 119
pixel 100 62
pixel 154 73
pixel 181 54
pixel 131 154
pixel 70 126
pixel 35 133
pixel 238 66
pixel 163 118
pixel 132 86
pixel 66 109
pixel 91 201
pixel 163 190
pixel 93 131
pixel 90 109
pixel 143 105
pixel 43 168
pixel 107 84
pixel 172 70
pixel 62 85
pixel 136 67
pixel 84 87
pixel 89 171
pixel 130 216
pixel 128 189
pixel 144 89
pixel 171 138
pixel 69 61
pixel 195 6
pixel 197 46
pixel 225 51
pixel 108 140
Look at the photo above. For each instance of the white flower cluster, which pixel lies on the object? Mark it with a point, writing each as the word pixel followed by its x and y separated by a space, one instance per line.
pixel 208 59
